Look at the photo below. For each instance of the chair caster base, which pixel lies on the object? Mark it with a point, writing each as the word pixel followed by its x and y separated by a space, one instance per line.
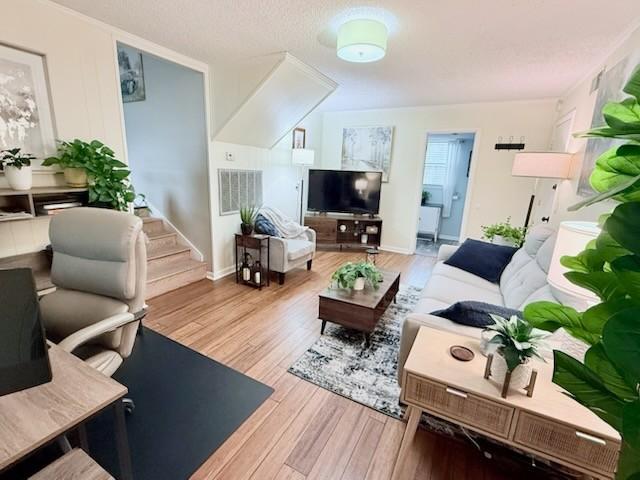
pixel 128 405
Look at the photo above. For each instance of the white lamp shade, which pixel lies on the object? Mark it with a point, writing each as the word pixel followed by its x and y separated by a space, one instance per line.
pixel 302 156
pixel 542 164
pixel 362 41
pixel 572 239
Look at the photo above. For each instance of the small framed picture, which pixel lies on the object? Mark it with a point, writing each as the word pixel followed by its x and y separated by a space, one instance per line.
pixel 299 138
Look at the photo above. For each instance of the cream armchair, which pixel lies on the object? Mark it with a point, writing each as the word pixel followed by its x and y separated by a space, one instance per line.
pixel 289 253
pixel 99 270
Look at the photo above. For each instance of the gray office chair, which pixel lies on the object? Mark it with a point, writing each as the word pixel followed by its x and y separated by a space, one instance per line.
pixel 100 272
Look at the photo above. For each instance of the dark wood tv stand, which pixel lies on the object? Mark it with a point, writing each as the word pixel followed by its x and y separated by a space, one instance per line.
pixel 338 230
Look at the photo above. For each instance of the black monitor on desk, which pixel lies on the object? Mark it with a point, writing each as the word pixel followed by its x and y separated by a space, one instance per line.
pixel 24 360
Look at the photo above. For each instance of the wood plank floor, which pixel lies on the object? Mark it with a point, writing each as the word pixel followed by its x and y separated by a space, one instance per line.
pixel 303 431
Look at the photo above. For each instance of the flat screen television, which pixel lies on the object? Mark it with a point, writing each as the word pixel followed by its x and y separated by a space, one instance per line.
pixel 344 191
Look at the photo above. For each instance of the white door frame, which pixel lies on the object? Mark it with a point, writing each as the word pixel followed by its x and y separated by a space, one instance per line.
pixel 470 182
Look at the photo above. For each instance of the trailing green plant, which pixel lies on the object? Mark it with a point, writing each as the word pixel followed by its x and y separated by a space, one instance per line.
pixel 608 382
pixel 108 177
pixel 248 215
pixel 506 231
pixel 13 157
pixel 346 275
pixel 516 340
pixel 426 195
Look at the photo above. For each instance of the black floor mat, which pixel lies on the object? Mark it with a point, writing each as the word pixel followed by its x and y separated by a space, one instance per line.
pixel 187 405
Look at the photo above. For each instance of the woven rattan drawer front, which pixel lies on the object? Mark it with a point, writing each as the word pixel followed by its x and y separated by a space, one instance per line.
pixel 475 411
pixel 565 442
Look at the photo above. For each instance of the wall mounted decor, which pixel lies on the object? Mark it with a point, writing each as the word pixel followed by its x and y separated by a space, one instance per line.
pixel 131 74
pixel 299 138
pixel 367 148
pixel 238 188
pixel 609 90
pixel 25 110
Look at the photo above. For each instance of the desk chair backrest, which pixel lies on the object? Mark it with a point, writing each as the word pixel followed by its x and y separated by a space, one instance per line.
pixel 102 252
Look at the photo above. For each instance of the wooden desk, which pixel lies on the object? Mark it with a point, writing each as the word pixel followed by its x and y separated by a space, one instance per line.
pixel 32 418
pixel 548 425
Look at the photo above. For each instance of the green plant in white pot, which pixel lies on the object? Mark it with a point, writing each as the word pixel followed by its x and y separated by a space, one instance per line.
pixel 514 343
pixel 504 233
pixel 355 275
pixel 17 168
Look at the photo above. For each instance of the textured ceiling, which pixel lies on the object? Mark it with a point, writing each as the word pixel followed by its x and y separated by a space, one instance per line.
pixel 439 52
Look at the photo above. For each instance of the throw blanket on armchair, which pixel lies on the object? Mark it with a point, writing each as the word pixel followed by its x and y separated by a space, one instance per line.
pixel 286 227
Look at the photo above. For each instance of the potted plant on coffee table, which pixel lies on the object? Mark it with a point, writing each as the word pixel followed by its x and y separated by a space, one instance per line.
pixel 355 275
pixel 504 233
pixel 247 219
pixel 515 343
pixel 17 168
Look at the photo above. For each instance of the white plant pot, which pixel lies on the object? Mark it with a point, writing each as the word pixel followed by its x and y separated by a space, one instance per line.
pixel 359 285
pixel 519 377
pixel 500 240
pixel 19 178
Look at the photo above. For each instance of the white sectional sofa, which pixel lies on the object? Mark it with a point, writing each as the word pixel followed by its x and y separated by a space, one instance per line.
pixel 523 281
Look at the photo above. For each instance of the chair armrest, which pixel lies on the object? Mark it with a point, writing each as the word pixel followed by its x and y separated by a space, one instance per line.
pixel 86 334
pixel 311 235
pixel 445 252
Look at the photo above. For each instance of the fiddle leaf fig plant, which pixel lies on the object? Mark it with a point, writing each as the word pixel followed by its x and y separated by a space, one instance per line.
pixel 608 381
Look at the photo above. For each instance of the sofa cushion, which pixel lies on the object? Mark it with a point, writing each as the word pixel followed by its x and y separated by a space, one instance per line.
pixel 475 314
pixel 454 273
pixel 263 225
pixel 298 248
pixel 449 291
pixel 483 259
pixel 443 324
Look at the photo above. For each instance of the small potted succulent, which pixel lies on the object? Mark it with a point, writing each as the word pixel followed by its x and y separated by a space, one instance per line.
pixel 247 219
pixel 355 275
pixel 504 234
pixel 514 343
pixel 17 168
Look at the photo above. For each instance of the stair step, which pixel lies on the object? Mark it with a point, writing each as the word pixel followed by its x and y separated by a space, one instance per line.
pixel 160 240
pixel 152 225
pixel 167 254
pixel 164 277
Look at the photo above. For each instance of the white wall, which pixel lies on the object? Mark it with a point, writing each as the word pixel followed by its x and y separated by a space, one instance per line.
pixel 493 193
pixel 167 147
pixel 579 99
pixel 81 69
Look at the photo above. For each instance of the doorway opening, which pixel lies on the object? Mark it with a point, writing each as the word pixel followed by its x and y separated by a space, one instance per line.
pixel 445 179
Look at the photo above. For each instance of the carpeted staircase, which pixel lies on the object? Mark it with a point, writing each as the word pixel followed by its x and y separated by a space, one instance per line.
pixel 170 264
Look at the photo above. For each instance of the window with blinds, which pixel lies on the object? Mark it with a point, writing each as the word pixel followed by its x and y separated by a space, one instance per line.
pixel 436 163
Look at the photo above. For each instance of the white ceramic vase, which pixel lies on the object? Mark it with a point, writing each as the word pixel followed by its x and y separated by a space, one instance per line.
pixel 359 285
pixel 519 377
pixel 19 178
pixel 500 240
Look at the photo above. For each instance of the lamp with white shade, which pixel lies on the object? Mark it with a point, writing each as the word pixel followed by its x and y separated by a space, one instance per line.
pixel 302 157
pixel 362 40
pixel 572 239
pixel 540 165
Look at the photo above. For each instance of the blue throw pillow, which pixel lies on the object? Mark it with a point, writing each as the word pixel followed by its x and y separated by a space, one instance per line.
pixel 264 226
pixel 483 259
pixel 475 314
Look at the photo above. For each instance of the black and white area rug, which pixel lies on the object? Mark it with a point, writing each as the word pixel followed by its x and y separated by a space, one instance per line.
pixel 339 362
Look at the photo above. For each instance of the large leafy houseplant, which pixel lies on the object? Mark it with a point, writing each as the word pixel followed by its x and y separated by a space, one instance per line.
pixel 108 177
pixel 608 382
pixel 347 274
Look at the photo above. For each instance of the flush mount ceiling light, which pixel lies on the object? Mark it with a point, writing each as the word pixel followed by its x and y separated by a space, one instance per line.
pixel 362 41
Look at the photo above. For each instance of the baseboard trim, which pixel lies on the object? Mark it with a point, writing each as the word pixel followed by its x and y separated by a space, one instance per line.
pixel 218 274
pixel 449 237
pixel 388 248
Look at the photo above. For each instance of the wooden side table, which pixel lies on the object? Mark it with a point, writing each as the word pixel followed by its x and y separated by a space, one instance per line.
pixel 548 425
pixel 257 244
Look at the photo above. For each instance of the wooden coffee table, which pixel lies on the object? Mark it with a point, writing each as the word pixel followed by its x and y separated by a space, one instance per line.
pixel 359 310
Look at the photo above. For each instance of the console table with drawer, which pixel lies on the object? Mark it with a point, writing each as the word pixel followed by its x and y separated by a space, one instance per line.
pixel 549 425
